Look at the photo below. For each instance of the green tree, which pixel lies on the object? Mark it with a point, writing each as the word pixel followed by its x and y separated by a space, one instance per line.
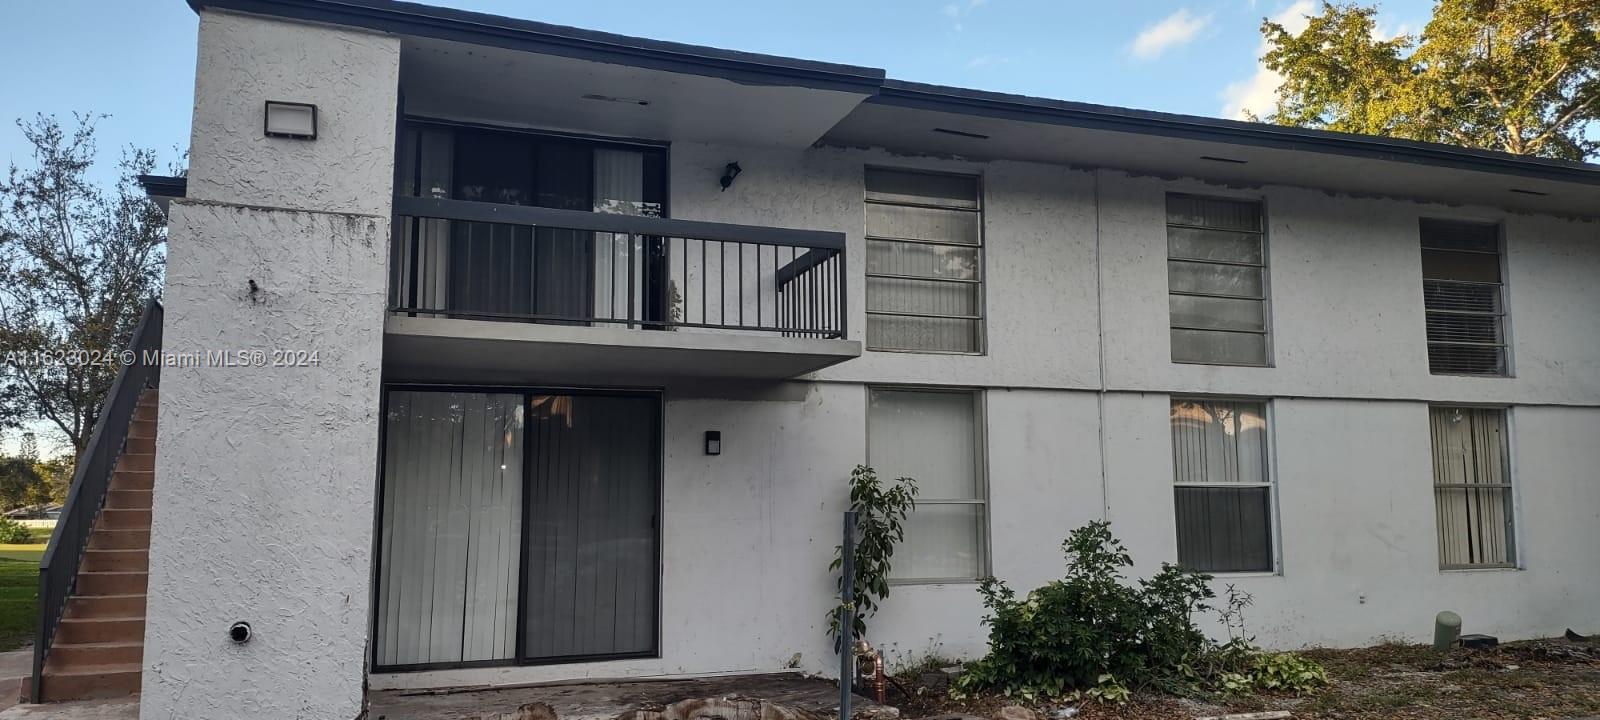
pixel 1520 76
pixel 77 263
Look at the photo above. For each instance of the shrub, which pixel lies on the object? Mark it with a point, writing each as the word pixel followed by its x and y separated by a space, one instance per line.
pixel 1091 628
pixel 1095 635
pixel 14 533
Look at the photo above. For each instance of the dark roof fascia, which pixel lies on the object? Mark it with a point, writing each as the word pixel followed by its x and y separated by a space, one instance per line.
pixel 1104 117
pixel 164 186
pixel 404 18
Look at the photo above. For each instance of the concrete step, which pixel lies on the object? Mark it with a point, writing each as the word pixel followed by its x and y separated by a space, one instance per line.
pixel 139 445
pixel 124 607
pixel 115 561
pixel 128 500
pixel 138 462
pixel 111 583
pixel 124 479
pixel 83 655
pixel 122 519
pixel 142 429
pixel 108 539
pixel 144 411
pixel 99 681
pixel 77 631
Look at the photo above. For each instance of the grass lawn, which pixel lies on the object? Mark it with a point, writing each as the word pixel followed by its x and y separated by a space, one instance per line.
pixel 19 593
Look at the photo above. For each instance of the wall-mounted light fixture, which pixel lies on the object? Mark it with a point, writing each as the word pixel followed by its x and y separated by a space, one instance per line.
pixel 291 120
pixel 713 442
pixel 729 173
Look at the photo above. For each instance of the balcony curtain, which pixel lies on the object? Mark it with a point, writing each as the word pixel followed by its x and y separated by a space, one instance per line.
pixel 451 531
pixel 591 537
pixel 619 257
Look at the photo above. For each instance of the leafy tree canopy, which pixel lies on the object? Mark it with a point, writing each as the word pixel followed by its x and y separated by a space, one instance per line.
pixel 1520 76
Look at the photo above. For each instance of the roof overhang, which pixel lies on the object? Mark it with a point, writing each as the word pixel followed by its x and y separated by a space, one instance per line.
pixel 915 118
pixel 707 94
pixel 163 188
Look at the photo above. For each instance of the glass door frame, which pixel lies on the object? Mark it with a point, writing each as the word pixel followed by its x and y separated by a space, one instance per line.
pixel 656 455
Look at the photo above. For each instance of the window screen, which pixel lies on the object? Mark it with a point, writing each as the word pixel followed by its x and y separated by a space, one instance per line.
pixel 1216 281
pixel 1472 487
pixel 932 436
pixel 924 262
pixel 1223 486
pixel 1463 298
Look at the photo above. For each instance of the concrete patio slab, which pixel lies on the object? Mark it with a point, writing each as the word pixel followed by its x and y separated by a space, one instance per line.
pixel 118 709
pixel 606 700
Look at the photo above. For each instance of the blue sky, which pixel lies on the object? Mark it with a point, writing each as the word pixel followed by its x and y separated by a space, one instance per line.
pixel 135 60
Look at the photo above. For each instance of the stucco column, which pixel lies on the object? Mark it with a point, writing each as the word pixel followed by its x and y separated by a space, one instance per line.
pixel 265 474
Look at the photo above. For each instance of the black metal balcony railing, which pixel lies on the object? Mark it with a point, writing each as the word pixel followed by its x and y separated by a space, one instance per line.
pixel 485 261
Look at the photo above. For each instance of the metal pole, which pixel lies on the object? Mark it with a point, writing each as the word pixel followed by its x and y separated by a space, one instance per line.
pixel 847 583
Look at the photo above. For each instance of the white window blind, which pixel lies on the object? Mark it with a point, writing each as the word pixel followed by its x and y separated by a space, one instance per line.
pixel 933 436
pixel 1223 485
pixel 1463 298
pixel 1216 281
pixel 1472 487
pixel 924 262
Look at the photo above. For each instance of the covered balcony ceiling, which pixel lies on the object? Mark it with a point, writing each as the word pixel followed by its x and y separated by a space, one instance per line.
pixel 482 83
pixel 927 119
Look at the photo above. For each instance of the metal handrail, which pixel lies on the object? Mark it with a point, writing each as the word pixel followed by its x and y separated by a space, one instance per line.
pixel 660 273
pixel 91 478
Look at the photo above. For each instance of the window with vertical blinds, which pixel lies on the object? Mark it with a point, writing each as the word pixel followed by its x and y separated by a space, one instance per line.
pixel 1223 485
pixel 933 436
pixel 1463 298
pixel 1216 281
pixel 1472 487
pixel 924 262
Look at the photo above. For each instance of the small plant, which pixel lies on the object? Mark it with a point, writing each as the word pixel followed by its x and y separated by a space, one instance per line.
pixel 880 526
pixel 14 533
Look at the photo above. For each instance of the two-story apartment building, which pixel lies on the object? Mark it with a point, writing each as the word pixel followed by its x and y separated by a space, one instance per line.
pixel 572 340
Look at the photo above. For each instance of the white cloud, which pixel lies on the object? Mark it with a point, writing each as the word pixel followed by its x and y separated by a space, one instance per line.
pixel 955 11
pixel 1172 31
pixel 1258 94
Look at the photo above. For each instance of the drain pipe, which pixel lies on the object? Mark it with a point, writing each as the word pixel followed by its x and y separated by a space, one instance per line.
pixel 847 582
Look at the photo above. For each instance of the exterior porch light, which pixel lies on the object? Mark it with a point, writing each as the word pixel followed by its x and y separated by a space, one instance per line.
pixel 713 442
pixel 290 120
pixel 730 172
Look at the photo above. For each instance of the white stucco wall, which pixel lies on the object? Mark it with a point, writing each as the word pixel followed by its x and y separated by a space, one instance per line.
pixel 747 534
pixel 264 479
pixel 264 492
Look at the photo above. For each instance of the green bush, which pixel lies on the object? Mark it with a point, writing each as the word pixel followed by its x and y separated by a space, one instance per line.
pixel 1090 629
pixel 1095 635
pixel 14 533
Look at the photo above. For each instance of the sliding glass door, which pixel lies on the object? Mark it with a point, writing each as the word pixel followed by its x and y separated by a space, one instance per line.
pixel 545 274
pixel 517 527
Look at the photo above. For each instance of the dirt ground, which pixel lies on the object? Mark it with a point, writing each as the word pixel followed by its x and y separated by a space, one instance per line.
pixel 1524 680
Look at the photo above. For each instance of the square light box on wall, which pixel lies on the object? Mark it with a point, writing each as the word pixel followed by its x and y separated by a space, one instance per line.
pixel 291 120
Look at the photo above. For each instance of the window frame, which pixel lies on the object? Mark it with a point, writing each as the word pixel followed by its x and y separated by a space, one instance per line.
pixel 1508 361
pixel 1267 333
pixel 1511 486
pixel 1269 466
pixel 980 431
pixel 982 283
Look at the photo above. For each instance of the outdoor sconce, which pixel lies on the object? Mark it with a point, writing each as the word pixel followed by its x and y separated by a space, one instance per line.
pixel 713 442
pixel 291 120
pixel 729 173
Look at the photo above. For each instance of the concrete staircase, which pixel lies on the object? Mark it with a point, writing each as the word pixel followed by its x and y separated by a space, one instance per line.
pixel 99 646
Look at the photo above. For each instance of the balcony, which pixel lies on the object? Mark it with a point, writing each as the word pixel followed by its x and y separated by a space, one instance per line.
pixel 490 293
